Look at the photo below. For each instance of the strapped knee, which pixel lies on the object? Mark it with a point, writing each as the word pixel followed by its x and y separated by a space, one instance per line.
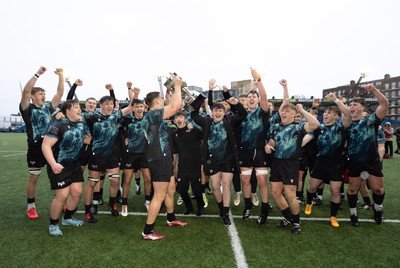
pixel 261 172
pixel 247 172
pixel 34 171
pixel 93 179
pixel 113 176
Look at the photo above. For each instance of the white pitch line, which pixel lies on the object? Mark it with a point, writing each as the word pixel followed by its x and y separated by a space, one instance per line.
pixel 233 234
pixel 251 217
pixel 13 154
pixel 237 245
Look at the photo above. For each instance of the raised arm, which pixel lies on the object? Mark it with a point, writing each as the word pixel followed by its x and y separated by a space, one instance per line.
pixel 133 93
pixel 346 117
pixel 225 93
pixel 71 92
pixel 382 109
pixel 60 89
pixel 109 87
pixel 286 98
pixel 211 86
pixel 26 93
pixel 312 122
pixel 261 90
pixel 176 99
pixel 207 107
pixel 241 111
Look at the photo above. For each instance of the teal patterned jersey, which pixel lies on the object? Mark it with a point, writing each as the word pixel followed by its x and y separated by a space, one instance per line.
pixel 157 136
pixel 136 133
pixel 252 129
pixel 218 141
pixel 380 138
pixel 70 140
pixel 330 140
pixel 37 120
pixel 288 139
pixel 274 119
pixel 104 130
pixel 362 145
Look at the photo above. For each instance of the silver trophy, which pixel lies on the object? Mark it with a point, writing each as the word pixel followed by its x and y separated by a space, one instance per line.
pixel 193 98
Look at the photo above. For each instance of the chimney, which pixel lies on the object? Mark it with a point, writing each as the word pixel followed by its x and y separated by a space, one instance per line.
pixel 352 83
pixel 387 76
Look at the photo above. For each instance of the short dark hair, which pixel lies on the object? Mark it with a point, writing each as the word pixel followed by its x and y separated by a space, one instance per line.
pixel 68 105
pixel 106 98
pixel 151 96
pixel 253 92
pixel 359 100
pixel 181 113
pixel 37 89
pixel 218 105
pixel 91 98
pixel 137 101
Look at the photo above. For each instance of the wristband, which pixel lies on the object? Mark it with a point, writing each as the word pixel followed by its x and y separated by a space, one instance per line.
pixel 37 75
pixel 336 101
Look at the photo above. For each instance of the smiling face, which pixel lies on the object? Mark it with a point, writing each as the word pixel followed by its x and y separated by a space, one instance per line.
pixel 138 110
pixel 180 121
pixel 287 114
pixel 252 101
pixel 298 117
pixel 243 101
pixel 74 113
pixel 107 107
pixel 90 105
pixel 38 97
pixel 218 114
pixel 356 110
pixel 330 117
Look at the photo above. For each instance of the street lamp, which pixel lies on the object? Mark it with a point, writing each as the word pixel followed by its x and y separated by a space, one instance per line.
pixel 159 77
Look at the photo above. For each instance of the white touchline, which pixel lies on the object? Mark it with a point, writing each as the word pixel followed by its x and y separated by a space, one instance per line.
pixel 13 154
pixel 236 245
pixel 251 217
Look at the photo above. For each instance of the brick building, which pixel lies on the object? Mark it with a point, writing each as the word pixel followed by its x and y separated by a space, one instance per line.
pixel 389 86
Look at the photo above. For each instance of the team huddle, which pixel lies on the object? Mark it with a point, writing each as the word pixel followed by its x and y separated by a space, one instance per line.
pixel 175 145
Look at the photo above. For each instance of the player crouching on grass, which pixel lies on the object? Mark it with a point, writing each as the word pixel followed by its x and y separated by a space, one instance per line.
pixel 61 149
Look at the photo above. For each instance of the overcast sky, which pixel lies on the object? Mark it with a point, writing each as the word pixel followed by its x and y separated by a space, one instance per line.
pixel 313 44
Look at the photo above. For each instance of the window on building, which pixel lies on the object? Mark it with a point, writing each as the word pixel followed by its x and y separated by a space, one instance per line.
pixel 392 110
pixel 398 84
pixel 393 94
pixel 393 85
pixel 378 84
pixel 387 94
pixel 387 86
